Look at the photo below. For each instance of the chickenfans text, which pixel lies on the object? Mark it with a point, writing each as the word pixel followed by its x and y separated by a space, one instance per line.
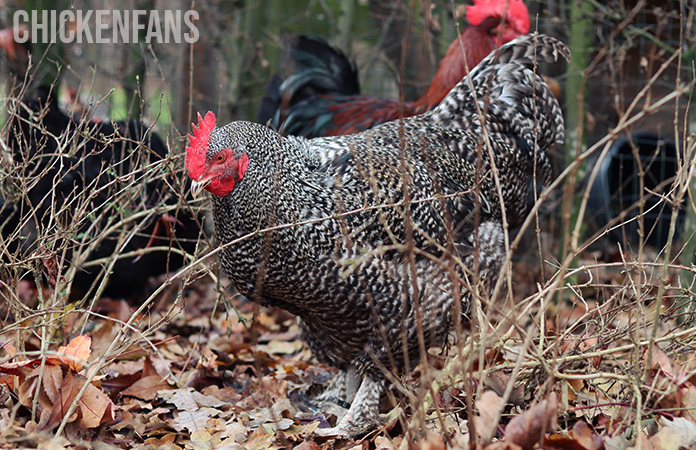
pixel 107 26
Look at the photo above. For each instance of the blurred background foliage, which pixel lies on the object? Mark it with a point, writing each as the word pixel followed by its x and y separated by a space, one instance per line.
pixel 617 47
pixel 241 47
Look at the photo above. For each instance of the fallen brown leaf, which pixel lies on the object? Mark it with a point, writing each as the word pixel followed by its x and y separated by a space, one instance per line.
pixel 161 442
pixel 50 268
pixel 661 361
pixel 208 359
pixel 562 442
pixel 188 399
pixel 227 394
pixel 52 380
pixel 486 422
pixel 202 440
pixel 260 440
pixel 643 443
pixel 94 407
pixel 309 445
pixel 193 420
pixel 585 436
pixel 146 388
pixel 20 368
pixel 432 442
pixel 9 349
pixel 498 381
pixel 76 353
pixel 674 434
pixel 383 443
pixel 119 383
pixel 129 420
pixel 235 431
pixel 688 400
pixel 26 390
pixel 502 445
pixel 529 427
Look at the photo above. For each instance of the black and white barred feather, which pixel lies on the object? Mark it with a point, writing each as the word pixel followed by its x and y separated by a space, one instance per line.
pixel 321 227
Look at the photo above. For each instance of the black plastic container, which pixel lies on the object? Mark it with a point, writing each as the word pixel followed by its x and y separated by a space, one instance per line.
pixel 617 188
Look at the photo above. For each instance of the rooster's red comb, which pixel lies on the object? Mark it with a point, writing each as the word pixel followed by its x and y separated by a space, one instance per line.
pixel 198 145
pixel 517 13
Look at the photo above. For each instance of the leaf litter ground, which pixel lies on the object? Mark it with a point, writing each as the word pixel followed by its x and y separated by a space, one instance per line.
pixel 234 375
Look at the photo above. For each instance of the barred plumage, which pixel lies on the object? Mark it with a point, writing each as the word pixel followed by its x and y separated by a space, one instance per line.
pixel 324 227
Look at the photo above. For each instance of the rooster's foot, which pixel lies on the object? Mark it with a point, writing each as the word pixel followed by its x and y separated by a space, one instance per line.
pixel 347 429
pixel 363 415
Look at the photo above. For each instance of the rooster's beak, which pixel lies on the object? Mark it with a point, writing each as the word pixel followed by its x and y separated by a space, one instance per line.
pixel 197 187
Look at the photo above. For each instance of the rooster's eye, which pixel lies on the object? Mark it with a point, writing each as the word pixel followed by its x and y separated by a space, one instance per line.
pixel 220 157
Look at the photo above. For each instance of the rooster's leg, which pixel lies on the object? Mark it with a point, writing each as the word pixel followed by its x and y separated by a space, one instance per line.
pixel 338 395
pixel 342 388
pixel 363 415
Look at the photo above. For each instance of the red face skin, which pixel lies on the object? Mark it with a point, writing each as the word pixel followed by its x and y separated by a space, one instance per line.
pixel 223 172
pixel 504 34
pixel 515 13
pixel 219 174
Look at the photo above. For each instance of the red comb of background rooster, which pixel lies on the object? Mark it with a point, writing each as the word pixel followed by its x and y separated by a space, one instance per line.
pixel 198 145
pixel 517 13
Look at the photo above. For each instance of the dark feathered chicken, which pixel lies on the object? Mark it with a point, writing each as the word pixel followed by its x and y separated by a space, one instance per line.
pixel 321 97
pixel 354 234
pixel 71 181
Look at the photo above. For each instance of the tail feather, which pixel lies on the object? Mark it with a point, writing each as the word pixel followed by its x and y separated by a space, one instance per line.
pixel 513 96
pixel 309 117
pixel 320 69
pixel 317 69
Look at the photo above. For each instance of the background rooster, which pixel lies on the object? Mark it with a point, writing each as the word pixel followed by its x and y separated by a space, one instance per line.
pixel 322 95
pixel 355 234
